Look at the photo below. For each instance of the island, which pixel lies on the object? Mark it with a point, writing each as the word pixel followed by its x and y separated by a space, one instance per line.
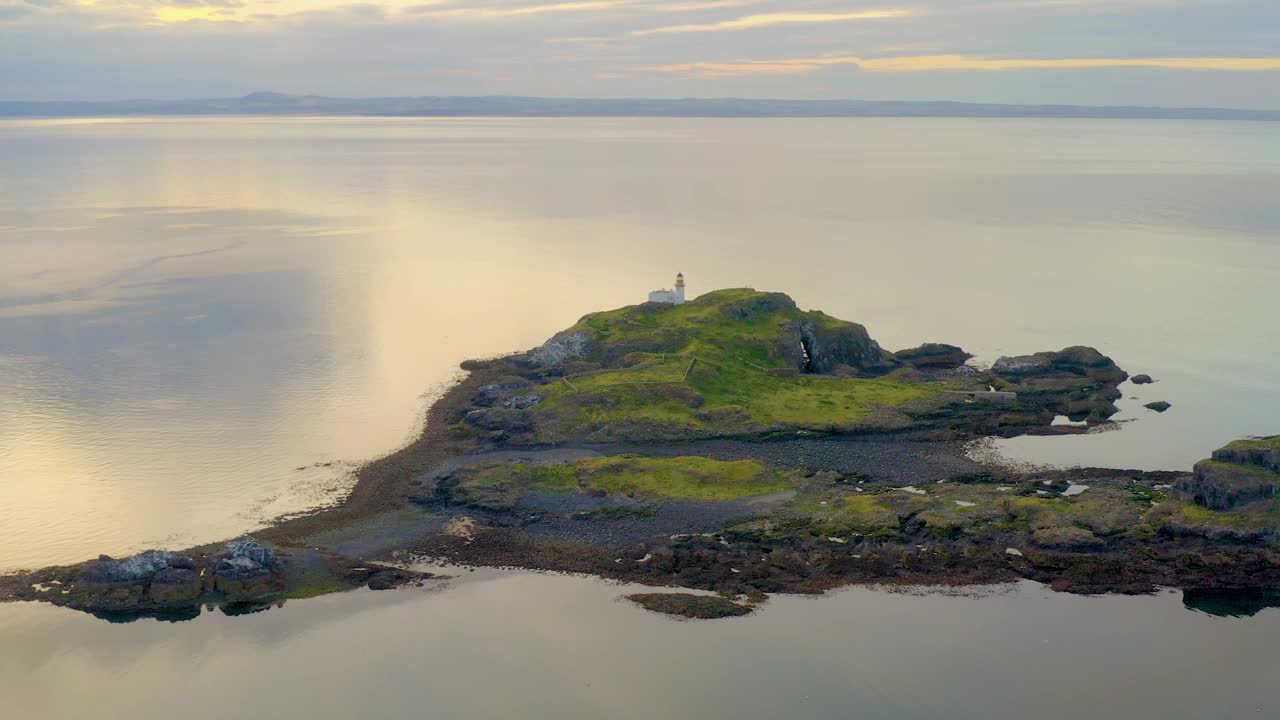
pixel 732 446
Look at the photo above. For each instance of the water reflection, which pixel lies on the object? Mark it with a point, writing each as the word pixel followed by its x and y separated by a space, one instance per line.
pixel 509 644
pixel 1230 603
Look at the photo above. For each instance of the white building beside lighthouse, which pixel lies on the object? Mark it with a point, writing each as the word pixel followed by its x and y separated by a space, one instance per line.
pixel 670 297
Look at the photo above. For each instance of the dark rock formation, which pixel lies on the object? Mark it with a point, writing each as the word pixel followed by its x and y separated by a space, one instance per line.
pixel 1078 360
pixel 934 355
pixel 175 585
pixel 1142 380
pixel 1078 382
pixel 1159 406
pixel 133 569
pixel 688 605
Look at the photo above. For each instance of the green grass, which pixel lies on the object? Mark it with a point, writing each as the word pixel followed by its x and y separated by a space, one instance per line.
pixel 500 485
pixel 1267 443
pixel 682 478
pixel 1203 516
pixel 737 339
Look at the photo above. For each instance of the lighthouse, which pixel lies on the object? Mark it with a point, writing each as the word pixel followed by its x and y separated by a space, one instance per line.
pixel 670 297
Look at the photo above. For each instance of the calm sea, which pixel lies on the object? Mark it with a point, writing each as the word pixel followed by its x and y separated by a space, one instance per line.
pixel 205 323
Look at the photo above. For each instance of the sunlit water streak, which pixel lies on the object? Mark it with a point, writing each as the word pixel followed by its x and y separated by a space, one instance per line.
pixel 192 309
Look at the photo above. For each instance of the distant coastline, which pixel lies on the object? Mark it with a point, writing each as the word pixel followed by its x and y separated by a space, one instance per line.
pixel 270 103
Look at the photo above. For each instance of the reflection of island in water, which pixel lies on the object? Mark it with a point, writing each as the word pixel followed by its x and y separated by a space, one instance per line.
pixel 1230 603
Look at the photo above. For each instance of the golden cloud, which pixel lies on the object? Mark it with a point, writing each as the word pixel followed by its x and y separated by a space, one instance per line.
pixel 783 18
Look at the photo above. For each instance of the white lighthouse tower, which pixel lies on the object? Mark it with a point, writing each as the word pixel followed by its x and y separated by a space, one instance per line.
pixel 670 297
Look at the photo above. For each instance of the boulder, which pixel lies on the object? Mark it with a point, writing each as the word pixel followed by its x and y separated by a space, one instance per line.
pixel 934 355
pixel 1159 406
pixel 1142 380
pixel 246 570
pixel 1224 486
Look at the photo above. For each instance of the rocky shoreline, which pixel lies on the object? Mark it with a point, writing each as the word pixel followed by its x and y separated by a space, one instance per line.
pixel 741 446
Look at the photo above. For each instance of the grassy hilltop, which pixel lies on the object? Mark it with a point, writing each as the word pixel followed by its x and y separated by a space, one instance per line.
pixel 730 362
pixel 740 362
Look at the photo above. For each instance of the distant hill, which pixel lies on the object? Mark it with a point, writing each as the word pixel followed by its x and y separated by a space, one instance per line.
pixel 270 103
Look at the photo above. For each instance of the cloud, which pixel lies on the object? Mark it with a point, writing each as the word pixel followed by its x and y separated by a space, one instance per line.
pixel 780 18
pixel 936 63
pixel 525 10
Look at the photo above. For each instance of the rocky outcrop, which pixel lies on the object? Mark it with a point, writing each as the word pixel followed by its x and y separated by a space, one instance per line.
pixel 246 570
pixel 561 348
pixel 824 347
pixel 1079 360
pixel 1225 486
pixel 1159 406
pixel 1141 380
pixel 1079 381
pixel 934 355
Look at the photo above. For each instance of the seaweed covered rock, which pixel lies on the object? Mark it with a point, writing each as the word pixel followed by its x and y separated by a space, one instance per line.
pixel 688 605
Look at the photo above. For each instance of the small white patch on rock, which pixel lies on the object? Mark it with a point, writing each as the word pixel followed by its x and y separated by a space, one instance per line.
pixel 1013 551
pixel 1162 487
pixel 1074 489
pixel 734 570
pixel 838 540
pixel 913 490
pixel 1043 493
pixel 965 503
pixel 647 557
pixel 1003 488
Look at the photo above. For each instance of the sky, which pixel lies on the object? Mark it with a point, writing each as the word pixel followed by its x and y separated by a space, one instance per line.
pixel 1146 52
